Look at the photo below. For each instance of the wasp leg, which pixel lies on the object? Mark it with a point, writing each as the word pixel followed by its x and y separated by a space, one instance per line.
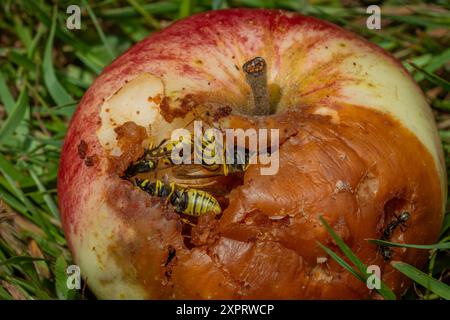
pixel 186 221
pixel 225 169
pixel 403 226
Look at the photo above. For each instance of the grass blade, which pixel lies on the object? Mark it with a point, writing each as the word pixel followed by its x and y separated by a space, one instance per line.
pixel 62 291
pixel 4 295
pixel 13 202
pixel 185 9
pixel 433 77
pixel 342 262
pixel 15 118
pixel 218 4
pixel 23 32
pixel 99 29
pixel 384 291
pixel 19 260
pixel 47 197
pixel 343 246
pixel 130 12
pixel 12 171
pixel 438 61
pixel 54 87
pixel 5 95
pixel 436 286
pixel 444 245
pixel 151 21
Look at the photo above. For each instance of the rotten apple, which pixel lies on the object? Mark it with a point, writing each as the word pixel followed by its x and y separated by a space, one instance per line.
pixel 357 145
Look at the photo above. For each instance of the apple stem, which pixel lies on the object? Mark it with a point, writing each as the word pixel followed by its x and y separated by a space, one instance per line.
pixel 256 76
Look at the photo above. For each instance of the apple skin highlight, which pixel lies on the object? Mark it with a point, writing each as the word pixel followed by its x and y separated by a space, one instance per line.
pixel 358 144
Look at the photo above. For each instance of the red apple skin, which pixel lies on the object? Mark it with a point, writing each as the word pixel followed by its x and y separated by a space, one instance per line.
pixel 358 144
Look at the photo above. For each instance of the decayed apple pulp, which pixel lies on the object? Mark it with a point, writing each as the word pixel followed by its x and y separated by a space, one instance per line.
pixel 358 145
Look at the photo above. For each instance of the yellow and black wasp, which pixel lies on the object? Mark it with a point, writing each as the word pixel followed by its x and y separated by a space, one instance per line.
pixel 189 201
pixel 144 164
pixel 153 155
pixel 156 189
pixel 163 152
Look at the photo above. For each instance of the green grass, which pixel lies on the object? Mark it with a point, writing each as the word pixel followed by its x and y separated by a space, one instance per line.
pixel 360 269
pixel 45 69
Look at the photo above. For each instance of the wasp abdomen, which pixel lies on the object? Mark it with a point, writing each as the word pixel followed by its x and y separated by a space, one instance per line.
pixel 194 202
pixel 200 202
pixel 191 202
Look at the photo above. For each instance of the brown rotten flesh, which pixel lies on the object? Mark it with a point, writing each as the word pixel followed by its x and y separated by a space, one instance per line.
pixel 347 152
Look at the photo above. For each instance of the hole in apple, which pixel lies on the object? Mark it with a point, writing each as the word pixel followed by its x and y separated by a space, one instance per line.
pixel 393 208
pixel 396 213
pixel 143 154
pixel 395 219
pixel 190 190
